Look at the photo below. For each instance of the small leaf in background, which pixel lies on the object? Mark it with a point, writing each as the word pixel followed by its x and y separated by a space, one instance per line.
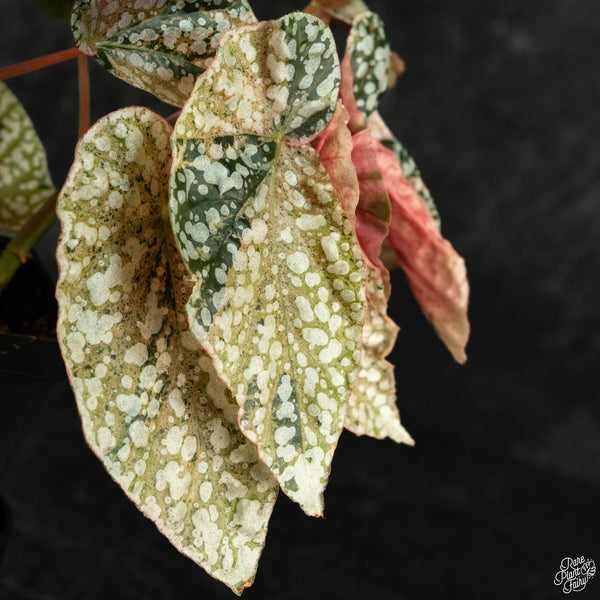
pixel 435 272
pixel 279 296
pixel 25 183
pixel 152 405
pixel 409 167
pixel 372 406
pixel 366 67
pixel 373 212
pixel 160 46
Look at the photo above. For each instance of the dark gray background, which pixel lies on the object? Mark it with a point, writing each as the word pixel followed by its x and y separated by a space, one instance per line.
pixel 500 107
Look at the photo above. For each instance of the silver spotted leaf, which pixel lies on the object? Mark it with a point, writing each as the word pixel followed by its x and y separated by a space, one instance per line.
pixel 410 170
pixel 372 406
pixel 160 46
pixel 368 53
pixel 153 408
pixel 25 183
pixel 279 294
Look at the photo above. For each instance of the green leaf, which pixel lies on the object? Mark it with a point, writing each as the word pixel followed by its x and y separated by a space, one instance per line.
pixel 279 293
pixel 152 405
pixel 368 54
pixel 25 183
pixel 158 45
pixel 372 406
pixel 410 170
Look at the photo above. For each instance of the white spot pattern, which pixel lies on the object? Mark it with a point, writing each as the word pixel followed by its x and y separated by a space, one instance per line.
pixel 158 45
pixel 372 406
pixel 25 182
pixel 152 407
pixel 260 329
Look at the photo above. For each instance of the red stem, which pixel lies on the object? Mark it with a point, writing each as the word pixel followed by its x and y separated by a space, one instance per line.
pixel 84 94
pixel 38 63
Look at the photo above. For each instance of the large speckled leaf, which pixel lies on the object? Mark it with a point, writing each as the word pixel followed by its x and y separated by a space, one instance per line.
pixel 25 182
pixel 435 272
pixel 279 295
pixel 152 405
pixel 158 45
pixel 366 66
pixel 372 406
pixel 409 167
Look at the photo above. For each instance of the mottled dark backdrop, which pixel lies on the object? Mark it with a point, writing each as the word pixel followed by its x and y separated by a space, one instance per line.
pixel 500 106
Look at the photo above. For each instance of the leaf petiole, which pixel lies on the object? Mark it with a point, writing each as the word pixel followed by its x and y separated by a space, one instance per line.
pixel 38 63
pixel 18 250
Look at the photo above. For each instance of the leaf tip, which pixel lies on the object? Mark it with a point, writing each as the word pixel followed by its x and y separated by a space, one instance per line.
pixel 238 591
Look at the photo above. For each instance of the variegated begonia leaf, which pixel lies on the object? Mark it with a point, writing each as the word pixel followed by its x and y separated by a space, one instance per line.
pixel 409 167
pixel 372 406
pixel 373 212
pixel 160 46
pixel 435 272
pixel 279 294
pixel 365 68
pixel 342 10
pixel 153 408
pixel 25 183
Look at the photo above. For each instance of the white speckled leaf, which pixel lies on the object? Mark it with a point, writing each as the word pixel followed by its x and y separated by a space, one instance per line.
pixel 372 406
pixel 25 182
pixel 381 132
pixel 279 296
pixel 152 405
pixel 368 52
pixel 158 45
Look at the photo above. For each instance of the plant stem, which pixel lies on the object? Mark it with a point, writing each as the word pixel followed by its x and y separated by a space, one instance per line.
pixel 173 117
pixel 84 94
pixel 38 63
pixel 18 250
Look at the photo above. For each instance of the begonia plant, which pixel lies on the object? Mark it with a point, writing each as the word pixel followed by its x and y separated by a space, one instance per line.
pixel 224 272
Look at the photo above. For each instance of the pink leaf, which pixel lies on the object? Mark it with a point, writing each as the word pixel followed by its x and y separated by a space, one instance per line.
pixel 373 211
pixel 435 272
pixel 334 146
pixel 352 166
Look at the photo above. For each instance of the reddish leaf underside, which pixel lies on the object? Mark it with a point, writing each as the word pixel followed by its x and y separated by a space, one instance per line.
pixel 435 272
pixel 372 406
pixel 373 212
